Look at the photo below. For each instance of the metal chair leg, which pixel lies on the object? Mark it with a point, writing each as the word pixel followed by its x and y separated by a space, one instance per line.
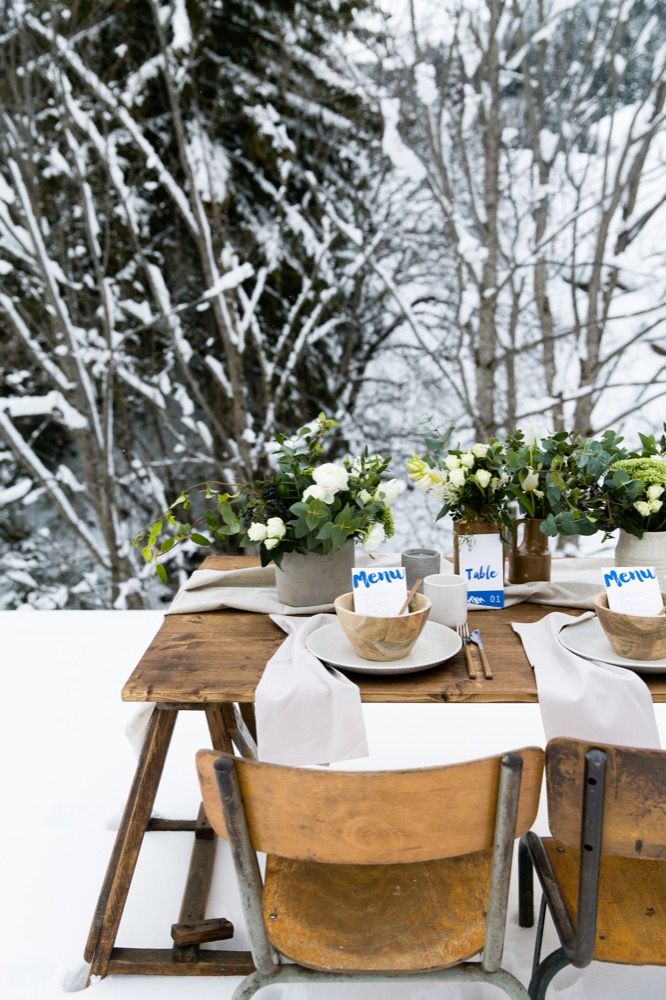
pixel 525 886
pixel 544 972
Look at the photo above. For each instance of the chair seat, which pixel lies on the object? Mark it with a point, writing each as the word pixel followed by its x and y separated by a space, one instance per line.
pixel 631 917
pixel 382 915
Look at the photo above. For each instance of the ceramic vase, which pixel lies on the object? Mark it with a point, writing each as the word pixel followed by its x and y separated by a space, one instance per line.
pixel 529 555
pixel 308 579
pixel 650 550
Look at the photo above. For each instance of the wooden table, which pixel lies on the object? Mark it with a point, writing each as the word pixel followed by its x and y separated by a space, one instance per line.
pixel 212 662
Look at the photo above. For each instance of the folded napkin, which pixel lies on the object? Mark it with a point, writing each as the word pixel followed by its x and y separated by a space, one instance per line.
pixel 584 699
pixel 307 713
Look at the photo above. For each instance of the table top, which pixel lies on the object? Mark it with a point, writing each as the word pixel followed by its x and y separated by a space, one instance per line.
pixel 218 656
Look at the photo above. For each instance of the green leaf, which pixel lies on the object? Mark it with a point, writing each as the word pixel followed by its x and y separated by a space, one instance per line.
pixel 200 539
pixel 161 572
pixel 154 532
pixel 167 544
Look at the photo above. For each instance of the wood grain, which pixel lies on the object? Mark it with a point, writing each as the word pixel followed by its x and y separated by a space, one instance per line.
pixel 220 656
pixel 371 817
pixel 631 916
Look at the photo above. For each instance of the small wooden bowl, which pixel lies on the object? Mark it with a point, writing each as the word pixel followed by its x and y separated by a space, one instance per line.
pixel 375 638
pixel 638 637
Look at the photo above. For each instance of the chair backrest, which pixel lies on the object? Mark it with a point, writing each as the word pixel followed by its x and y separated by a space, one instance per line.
pixel 371 817
pixel 634 804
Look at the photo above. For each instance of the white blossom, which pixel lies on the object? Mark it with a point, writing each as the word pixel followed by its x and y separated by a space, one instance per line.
pixel 374 538
pixel 276 528
pixel 483 478
pixel 319 493
pixel 331 476
pixel 467 459
pixel 457 477
pixel 257 532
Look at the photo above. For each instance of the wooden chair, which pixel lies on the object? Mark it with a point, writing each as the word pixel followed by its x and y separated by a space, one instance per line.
pixel 603 870
pixel 374 875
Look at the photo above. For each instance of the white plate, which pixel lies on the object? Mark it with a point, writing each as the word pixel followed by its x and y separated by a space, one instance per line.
pixel 588 639
pixel 435 644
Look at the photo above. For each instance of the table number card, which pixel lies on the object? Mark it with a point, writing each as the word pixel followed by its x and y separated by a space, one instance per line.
pixel 379 592
pixel 633 590
pixel 481 563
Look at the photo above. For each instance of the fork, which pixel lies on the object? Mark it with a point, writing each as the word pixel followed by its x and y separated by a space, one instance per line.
pixel 463 631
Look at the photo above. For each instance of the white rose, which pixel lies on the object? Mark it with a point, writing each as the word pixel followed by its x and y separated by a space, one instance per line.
pixel 452 462
pixel 654 491
pixel 467 459
pixel 531 481
pixel 480 450
pixel 270 543
pixel 331 476
pixel 364 496
pixel 257 532
pixel 319 493
pixel 389 491
pixel 374 538
pixel 655 505
pixel 483 477
pixel 457 477
pixel 276 528
pixel 643 508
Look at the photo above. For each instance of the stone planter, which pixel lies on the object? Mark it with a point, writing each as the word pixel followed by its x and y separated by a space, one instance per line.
pixel 307 579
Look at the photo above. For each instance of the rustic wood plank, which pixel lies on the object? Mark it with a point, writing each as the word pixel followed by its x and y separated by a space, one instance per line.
pixel 219 656
pixel 202 931
pixel 122 863
pixel 197 886
pixel 160 962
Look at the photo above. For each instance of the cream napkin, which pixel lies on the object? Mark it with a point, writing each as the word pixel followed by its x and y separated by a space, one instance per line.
pixel 306 713
pixel 584 699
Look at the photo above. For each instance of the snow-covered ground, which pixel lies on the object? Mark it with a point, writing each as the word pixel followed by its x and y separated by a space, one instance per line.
pixel 67 768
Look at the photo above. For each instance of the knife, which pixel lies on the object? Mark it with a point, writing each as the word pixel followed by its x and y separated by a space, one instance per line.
pixel 475 636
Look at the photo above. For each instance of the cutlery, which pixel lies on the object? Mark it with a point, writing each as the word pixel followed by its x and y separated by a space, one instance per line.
pixel 463 632
pixel 475 636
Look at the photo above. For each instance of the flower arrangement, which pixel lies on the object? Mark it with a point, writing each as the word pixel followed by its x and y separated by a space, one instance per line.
pixel 471 484
pixel 307 506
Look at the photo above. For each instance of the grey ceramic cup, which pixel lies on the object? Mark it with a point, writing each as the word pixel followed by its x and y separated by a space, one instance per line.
pixel 420 563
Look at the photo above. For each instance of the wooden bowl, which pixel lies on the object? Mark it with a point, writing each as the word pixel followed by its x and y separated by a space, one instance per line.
pixel 639 637
pixel 375 638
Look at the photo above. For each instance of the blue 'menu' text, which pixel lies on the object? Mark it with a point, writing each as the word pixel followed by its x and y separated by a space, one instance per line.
pixel 378 576
pixel 628 574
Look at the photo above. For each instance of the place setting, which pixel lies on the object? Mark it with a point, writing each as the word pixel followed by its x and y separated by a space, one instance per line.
pixel 628 628
pixel 382 628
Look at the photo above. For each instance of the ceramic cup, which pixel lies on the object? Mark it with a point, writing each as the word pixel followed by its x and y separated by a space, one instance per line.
pixel 448 597
pixel 418 564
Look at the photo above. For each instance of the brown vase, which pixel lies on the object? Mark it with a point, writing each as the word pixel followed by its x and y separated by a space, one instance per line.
pixel 529 558
pixel 470 526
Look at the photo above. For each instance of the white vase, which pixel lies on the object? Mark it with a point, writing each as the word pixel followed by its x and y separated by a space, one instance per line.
pixel 307 579
pixel 650 550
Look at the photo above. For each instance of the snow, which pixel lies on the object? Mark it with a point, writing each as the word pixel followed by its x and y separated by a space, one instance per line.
pixel 65 728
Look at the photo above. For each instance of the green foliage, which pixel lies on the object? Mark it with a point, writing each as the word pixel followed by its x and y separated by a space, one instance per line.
pixel 307 506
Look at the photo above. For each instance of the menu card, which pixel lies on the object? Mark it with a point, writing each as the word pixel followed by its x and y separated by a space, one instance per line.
pixel 380 592
pixel 481 563
pixel 633 590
